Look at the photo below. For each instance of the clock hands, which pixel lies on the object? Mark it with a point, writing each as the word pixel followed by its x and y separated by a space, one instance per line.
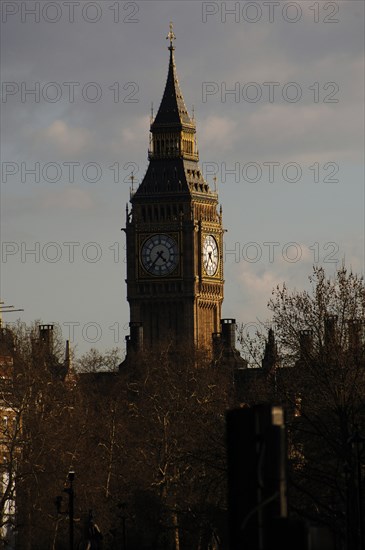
pixel 210 259
pixel 159 256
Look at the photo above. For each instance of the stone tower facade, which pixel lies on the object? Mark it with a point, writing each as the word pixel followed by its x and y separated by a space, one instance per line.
pixel 174 236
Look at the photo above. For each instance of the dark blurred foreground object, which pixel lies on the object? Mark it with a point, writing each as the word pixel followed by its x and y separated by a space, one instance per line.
pixel 257 486
pixel 94 536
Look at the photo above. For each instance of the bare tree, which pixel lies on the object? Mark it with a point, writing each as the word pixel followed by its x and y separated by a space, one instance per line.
pixel 319 375
pixel 176 407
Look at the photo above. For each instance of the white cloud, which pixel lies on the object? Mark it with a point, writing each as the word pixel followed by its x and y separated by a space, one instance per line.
pixel 63 139
pixel 134 133
pixel 287 121
pixel 315 129
pixel 68 198
pixel 218 131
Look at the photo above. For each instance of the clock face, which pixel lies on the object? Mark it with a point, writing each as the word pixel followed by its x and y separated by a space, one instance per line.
pixel 159 255
pixel 210 255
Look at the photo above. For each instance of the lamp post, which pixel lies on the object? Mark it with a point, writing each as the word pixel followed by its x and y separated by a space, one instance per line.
pixel 70 512
pixel 70 491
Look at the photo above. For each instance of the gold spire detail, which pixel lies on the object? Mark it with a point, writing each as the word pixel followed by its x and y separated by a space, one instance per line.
pixel 171 36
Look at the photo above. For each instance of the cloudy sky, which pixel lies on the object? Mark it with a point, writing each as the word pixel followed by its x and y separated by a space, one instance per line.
pixel 278 94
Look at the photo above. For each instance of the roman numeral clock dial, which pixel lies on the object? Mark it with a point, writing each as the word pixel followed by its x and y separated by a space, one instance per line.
pixel 159 255
pixel 210 255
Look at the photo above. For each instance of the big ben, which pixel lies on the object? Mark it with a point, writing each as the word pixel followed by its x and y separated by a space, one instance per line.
pixel 174 235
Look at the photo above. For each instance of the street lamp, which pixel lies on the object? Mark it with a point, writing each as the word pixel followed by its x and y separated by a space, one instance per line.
pixel 70 491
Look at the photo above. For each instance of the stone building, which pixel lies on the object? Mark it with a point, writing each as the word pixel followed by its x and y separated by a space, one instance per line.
pixel 18 392
pixel 174 235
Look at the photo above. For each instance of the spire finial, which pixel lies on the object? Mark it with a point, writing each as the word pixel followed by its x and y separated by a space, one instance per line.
pixel 151 117
pixel 171 36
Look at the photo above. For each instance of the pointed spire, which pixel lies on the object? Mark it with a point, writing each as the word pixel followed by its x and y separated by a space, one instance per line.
pixel 270 359
pixel 151 116
pixel 69 371
pixel 172 109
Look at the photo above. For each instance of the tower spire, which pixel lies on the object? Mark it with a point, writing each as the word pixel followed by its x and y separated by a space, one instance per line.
pixel 172 110
pixel 172 130
pixel 174 235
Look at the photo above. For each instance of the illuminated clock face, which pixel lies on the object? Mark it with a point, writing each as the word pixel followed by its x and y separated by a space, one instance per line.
pixel 210 255
pixel 159 255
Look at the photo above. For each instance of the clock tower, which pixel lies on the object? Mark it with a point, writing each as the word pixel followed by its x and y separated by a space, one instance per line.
pixel 174 236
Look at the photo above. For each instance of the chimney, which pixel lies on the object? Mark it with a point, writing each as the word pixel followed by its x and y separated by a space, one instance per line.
pixel 228 328
pixel 305 343
pixel 225 345
pixel 46 338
